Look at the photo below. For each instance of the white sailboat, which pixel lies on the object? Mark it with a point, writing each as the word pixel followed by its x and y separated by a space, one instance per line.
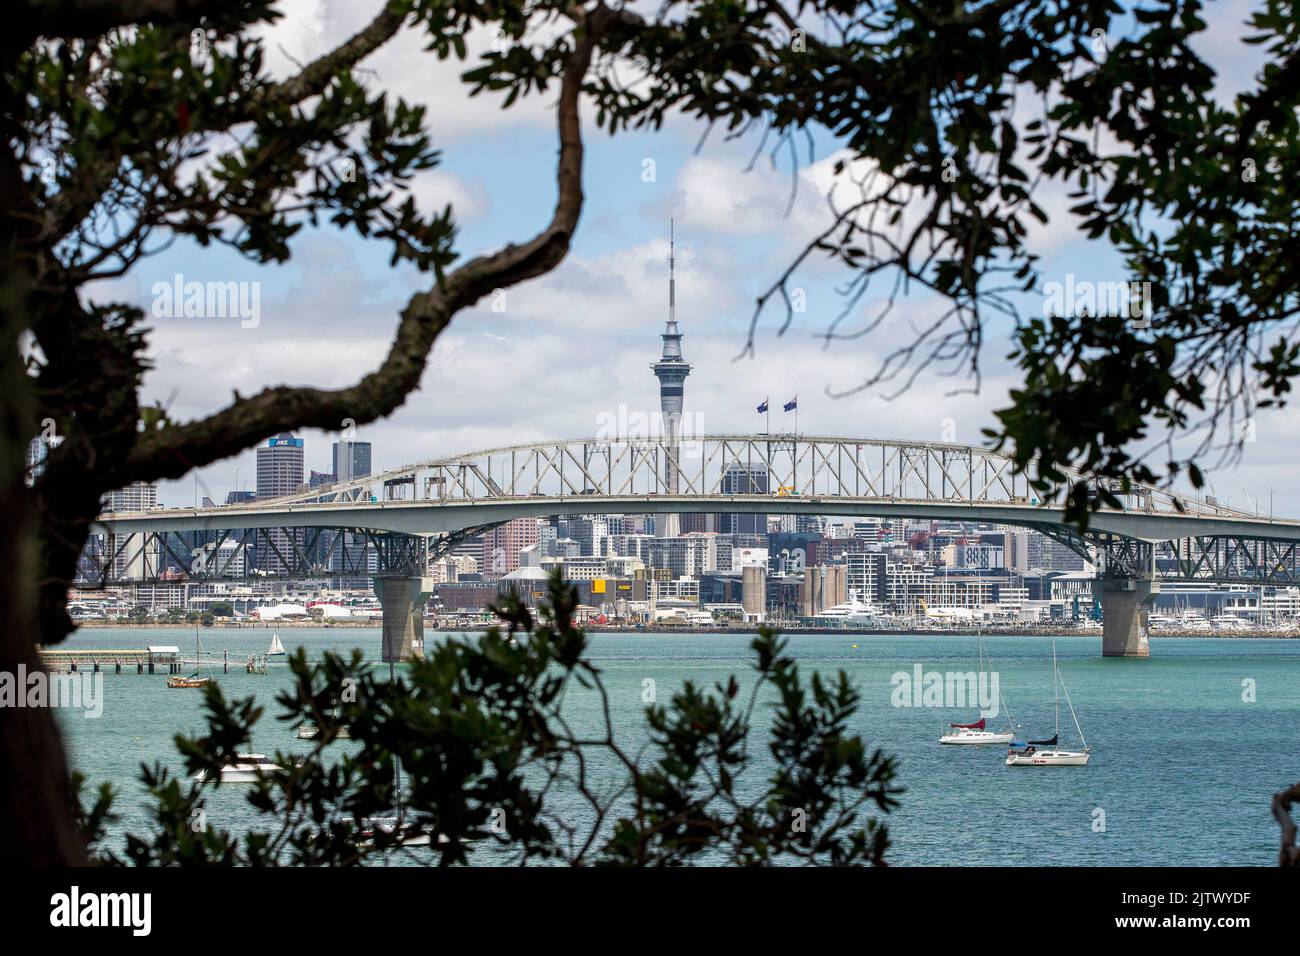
pixel 977 732
pixel 1047 753
pixel 276 649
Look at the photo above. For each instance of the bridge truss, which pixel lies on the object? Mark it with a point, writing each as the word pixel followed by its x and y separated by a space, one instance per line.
pixel 324 532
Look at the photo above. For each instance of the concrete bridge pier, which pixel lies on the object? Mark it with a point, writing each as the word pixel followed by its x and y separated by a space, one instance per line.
pixel 403 600
pixel 1125 613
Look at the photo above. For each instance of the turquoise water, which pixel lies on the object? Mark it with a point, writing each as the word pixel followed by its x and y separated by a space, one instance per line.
pixel 1183 768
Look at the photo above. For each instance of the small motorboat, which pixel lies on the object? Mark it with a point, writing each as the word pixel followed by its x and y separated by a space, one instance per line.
pixel 309 731
pixel 246 768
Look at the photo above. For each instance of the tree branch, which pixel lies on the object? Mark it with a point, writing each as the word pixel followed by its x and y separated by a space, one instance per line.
pixel 171 452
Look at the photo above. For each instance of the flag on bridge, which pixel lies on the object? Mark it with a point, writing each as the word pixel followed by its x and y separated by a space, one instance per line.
pixel 792 404
pixel 762 408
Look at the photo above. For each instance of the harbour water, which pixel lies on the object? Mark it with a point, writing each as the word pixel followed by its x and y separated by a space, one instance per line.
pixel 1188 746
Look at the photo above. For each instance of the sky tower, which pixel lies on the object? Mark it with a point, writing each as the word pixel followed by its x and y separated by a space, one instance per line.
pixel 671 370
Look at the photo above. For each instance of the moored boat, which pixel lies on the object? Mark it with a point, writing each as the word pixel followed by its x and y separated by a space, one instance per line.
pixel 1048 753
pixel 975 733
pixel 245 768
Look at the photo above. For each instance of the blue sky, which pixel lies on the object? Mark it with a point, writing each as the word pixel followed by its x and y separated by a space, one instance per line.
pixel 577 344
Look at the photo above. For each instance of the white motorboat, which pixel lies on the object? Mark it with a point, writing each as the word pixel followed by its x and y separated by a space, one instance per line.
pixel 309 731
pixel 246 768
pixel 1048 753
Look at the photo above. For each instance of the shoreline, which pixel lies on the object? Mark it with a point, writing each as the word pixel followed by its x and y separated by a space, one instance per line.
pixel 1029 631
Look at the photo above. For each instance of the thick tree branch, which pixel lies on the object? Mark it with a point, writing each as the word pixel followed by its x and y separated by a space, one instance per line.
pixel 91 18
pixel 171 452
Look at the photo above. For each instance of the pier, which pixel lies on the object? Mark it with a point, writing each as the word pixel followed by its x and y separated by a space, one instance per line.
pixel 156 659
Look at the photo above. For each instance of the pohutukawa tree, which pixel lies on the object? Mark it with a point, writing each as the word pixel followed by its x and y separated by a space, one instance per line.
pixel 132 122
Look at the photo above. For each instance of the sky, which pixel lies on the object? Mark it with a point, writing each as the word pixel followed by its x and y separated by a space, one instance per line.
pixel 567 351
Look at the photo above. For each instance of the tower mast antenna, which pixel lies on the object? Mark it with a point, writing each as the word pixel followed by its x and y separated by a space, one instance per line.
pixel 672 273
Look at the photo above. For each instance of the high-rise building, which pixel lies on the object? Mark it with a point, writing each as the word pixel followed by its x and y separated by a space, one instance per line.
pixel 671 370
pixel 351 460
pixel 501 546
pixel 134 556
pixel 744 479
pixel 279 472
pixel 279 466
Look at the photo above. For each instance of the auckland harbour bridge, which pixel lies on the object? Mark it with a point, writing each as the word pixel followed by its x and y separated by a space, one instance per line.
pixel 409 516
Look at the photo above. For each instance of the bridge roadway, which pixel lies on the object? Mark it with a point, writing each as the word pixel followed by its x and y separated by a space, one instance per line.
pixel 763 474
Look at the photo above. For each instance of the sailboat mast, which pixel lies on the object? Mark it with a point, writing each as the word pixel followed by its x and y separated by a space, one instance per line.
pixel 1056 692
pixel 1073 715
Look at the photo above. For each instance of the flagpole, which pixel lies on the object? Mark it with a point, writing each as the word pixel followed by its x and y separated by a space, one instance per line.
pixel 796 414
pixel 767 425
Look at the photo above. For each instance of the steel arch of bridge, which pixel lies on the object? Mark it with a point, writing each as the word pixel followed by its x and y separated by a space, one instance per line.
pixel 1153 531
pixel 793 465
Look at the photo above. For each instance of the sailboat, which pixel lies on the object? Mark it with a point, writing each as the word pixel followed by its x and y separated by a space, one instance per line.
pixel 977 733
pixel 194 680
pixel 1029 754
pixel 408 832
pixel 276 649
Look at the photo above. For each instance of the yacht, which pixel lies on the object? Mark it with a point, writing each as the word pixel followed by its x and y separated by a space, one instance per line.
pixel 977 732
pixel 1228 622
pixel 1048 753
pixel 245 769
pixel 852 613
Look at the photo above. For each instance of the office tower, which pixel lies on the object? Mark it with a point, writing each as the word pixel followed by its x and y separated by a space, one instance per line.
pixel 351 460
pixel 671 370
pixel 279 472
pixel 279 466
pixel 744 479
